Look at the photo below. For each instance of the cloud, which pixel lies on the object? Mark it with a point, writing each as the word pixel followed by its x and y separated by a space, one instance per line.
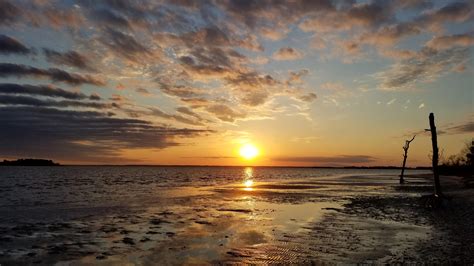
pixel 8 12
pixel 296 76
pixel 143 91
pixel 31 101
pixel 344 159
pixel 287 53
pixel 181 91
pixel 465 128
pixel 212 61
pixel 9 45
pixel 308 97
pixel 207 57
pixel 422 105
pixel 108 17
pixel 445 42
pixel 452 12
pixel 159 113
pixel 427 66
pixel 125 45
pixel 369 14
pixel 60 17
pixel 49 91
pixel 187 111
pixel 224 112
pixel 208 36
pixel 391 34
pixel 70 58
pixel 80 135
pixel 16 70
pixel 252 88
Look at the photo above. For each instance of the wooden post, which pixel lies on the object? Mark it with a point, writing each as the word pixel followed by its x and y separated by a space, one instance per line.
pixel 434 141
pixel 405 148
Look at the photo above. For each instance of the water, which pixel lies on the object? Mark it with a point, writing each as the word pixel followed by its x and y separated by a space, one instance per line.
pixel 118 185
pixel 175 215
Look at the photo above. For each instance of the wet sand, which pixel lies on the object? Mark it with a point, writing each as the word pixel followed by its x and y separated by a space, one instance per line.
pixel 342 219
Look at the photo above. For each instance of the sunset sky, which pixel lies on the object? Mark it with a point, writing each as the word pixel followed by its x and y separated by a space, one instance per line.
pixel 318 82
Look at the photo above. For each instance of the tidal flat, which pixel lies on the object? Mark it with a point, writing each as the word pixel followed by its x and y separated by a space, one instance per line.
pixel 184 216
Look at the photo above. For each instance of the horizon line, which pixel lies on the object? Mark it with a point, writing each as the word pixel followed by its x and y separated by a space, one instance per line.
pixel 267 166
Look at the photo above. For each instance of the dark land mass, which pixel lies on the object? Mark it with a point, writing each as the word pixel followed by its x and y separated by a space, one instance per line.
pixel 29 162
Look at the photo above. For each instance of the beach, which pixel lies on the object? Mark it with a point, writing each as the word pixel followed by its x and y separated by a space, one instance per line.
pixel 230 216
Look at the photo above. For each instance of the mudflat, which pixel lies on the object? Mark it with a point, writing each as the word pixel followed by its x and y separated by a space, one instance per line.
pixel 332 219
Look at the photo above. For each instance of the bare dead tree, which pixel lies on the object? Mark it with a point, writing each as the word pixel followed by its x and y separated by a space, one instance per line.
pixel 434 141
pixel 405 155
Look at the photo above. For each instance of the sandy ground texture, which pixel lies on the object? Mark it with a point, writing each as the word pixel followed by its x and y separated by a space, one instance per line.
pixel 344 219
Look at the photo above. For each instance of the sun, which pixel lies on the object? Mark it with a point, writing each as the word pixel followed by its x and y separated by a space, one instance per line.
pixel 248 151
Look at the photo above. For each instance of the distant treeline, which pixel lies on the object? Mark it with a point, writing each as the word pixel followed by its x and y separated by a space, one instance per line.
pixel 387 167
pixel 29 162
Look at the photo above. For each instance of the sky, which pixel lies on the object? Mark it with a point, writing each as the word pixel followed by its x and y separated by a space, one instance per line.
pixel 309 83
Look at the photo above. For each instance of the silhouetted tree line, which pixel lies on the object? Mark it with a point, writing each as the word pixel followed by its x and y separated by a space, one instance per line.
pixel 29 162
pixel 461 164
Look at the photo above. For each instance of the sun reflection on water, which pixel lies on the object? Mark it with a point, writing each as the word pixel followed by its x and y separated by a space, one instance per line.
pixel 248 178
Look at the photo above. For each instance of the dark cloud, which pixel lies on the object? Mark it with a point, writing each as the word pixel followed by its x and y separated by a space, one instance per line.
pixel 212 61
pixel 110 18
pixel 287 53
pixel 252 80
pixel 9 45
pixel 252 12
pixel 178 118
pixel 31 101
pixel 8 12
pixel 9 88
pixel 125 45
pixel 76 135
pixel 211 36
pixel 344 159
pixel 181 91
pixel 456 11
pixel 202 69
pixel 465 128
pixel 16 70
pixel 70 58
pixel 371 14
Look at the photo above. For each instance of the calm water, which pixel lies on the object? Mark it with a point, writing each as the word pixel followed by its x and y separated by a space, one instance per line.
pixel 107 186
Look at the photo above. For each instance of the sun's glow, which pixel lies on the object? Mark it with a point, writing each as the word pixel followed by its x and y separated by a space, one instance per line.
pixel 248 151
pixel 248 183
